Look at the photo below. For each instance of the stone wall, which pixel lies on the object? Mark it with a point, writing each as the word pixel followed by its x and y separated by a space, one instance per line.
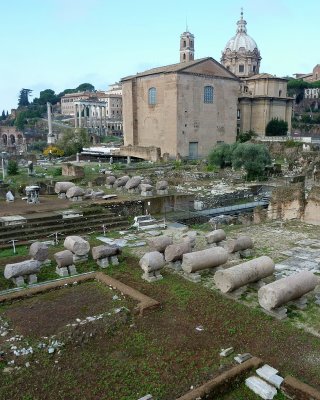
pixel 72 170
pixel 287 202
pixel 312 209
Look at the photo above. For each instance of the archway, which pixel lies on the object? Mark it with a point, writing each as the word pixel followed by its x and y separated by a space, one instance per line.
pixel 12 139
pixel 5 139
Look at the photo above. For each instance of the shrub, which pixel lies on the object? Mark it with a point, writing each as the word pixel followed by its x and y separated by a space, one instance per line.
pixel 221 155
pixel 276 127
pixel 12 167
pixel 252 157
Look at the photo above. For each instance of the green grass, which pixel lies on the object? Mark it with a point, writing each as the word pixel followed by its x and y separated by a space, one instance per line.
pixel 20 251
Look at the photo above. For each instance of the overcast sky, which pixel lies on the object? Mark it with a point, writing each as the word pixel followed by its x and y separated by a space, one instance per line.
pixel 59 44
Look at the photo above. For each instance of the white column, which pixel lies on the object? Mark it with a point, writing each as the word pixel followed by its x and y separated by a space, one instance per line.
pixel 80 121
pixel 75 116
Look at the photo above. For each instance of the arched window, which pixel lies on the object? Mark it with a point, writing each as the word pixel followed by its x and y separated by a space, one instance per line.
pixel 152 96
pixel 184 56
pixel 208 94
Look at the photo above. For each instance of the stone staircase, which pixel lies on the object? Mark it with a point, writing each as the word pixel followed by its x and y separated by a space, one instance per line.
pixel 42 225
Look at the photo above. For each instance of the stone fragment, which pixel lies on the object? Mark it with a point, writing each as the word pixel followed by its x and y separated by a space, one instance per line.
pixel 278 293
pixel 39 251
pixel 191 236
pixel 160 243
pixel 63 258
pixel 103 262
pixel 226 352
pixel 261 388
pixel 62 187
pixel 240 358
pixel 215 236
pixel 240 275
pixel 208 258
pixel 77 245
pixel 104 251
pixel 22 268
pixel 174 252
pixel 146 397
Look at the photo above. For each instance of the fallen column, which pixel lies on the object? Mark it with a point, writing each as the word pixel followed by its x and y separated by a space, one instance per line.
pixel 61 188
pixel 280 292
pixel 152 263
pixel 132 184
pixel 242 244
pixel 64 260
pixel 75 193
pixel 240 275
pixel 78 246
pixel 199 260
pixel 174 252
pixel 216 236
pixel 105 254
pixel 162 187
pixel 18 271
pixel 160 243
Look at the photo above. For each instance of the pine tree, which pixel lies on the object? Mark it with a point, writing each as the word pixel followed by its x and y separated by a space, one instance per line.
pixel 24 97
pixel 3 115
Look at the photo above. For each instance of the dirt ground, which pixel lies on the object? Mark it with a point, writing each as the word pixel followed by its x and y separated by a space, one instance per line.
pixel 46 314
pixel 164 352
pixel 21 207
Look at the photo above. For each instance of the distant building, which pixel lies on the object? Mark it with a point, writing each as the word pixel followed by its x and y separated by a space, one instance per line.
pixel 312 93
pixel 68 100
pixel 12 140
pixel 311 76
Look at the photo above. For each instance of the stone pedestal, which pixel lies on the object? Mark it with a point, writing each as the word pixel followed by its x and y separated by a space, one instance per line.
pixel 133 191
pixel 72 270
pixel 162 192
pixel 147 194
pixel 62 196
pixel 18 281
pixel 63 271
pixel 152 276
pixel 175 265
pixel 79 259
pixel 76 198
pixel 114 260
pixel 103 262
pixel 109 186
pixel 193 277
pixel 32 279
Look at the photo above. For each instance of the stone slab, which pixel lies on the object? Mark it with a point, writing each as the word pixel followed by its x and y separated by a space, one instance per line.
pixel 13 220
pixel 261 388
pixel 62 271
pixel 240 358
pixel 118 242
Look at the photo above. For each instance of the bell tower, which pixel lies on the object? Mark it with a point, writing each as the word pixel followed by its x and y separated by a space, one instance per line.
pixel 186 46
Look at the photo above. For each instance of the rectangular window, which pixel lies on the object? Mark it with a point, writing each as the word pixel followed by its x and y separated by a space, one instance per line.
pixel 241 68
pixel 238 114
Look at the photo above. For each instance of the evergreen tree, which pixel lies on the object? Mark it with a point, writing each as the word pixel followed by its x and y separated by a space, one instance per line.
pixel 3 115
pixel 24 97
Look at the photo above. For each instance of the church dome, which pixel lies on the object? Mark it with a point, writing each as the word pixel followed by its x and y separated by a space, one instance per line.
pixel 241 41
pixel 241 55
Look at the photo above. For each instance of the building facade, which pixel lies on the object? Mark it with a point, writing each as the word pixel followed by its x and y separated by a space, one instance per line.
pixel 184 109
pixel 261 97
pixel 312 93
